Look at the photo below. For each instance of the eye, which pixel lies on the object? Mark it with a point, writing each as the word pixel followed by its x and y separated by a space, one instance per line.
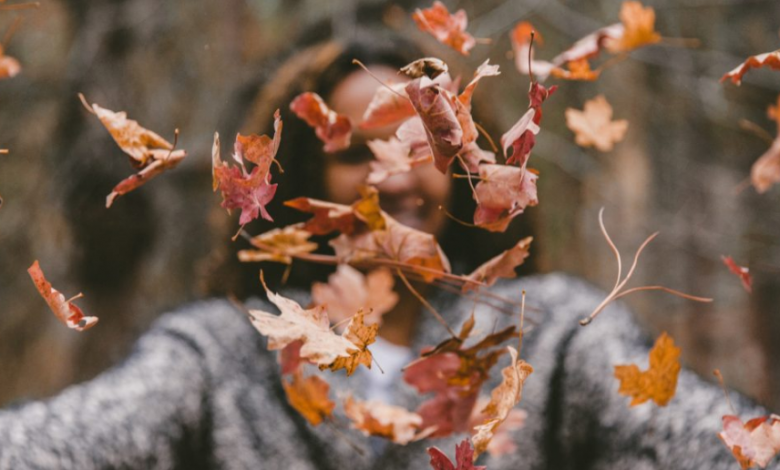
pixel 356 154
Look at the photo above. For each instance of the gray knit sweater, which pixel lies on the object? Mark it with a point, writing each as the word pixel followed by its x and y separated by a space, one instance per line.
pixel 201 391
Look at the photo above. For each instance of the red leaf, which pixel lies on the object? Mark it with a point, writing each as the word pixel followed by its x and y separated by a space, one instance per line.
pixel 769 59
pixel 464 458
pixel 502 265
pixel 503 193
pixel 388 106
pixel 739 271
pixel 241 189
pixel 449 29
pixel 64 310
pixel 333 129
pixel 437 110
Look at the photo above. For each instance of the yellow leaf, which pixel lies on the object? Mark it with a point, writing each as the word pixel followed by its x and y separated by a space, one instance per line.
pixel 659 382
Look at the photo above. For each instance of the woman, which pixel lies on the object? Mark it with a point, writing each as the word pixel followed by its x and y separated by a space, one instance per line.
pixel 200 389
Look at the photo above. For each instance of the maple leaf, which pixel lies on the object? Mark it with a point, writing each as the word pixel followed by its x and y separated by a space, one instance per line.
pixel 739 271
pixel 594 127
pixel 361 335
pixel 464 458
pixel 149 153
pixel 577 70
pixel 502 400
pixel 502 265
pixel 753 443
pixel 449 29
pixel 242 189
pixel 454 374
pixel 65 310
pixel 327 216
pixel 769 59
pixel 309 397
pixel 320 345
pixel 375 418
pixel 766 170
pixel 638 28
pixel 659 382
pixel 437 111
pixel 9 67
pixel 334 130
pixel 348 291
pixel 390 105
pixel 392 158
pixel 279 245
pixel 503 193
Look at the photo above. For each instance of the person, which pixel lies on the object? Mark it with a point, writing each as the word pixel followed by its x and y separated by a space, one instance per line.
pixel 200 389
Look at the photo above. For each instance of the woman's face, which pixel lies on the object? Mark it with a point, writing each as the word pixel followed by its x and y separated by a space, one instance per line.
pixel 412 198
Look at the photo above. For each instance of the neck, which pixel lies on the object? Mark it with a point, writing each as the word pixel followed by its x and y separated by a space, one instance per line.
pixel 400 323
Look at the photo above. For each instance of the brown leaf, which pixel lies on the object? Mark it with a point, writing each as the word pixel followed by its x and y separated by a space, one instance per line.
pixel 436 108
pixel 449 29
pixel 332 129
pixel 375 418
pixel 753 443
pixel 361 335
pixel 348 291
pixel 279 245
pixel 659 382
pixel 502 400
pixel 309 397
pixel 594 127
pixel 430 67
pixel 502 265
pixel 65 311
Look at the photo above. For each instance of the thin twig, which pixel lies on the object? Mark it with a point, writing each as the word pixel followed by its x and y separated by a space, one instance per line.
pixel 355 61
pixel 717 374
pixel 487 136
pixel 471 183
pixel 425 303
pixel 665 289
pixel 756 130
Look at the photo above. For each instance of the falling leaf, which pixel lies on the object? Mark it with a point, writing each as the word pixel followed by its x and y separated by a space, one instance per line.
pixel 430 67
pixel 348 291
pixel 242 189
pixel 753 443
pixel 576 70
pixel 309 397
pixel 659 382
pixel 375 418
pixel 502 400
pixel 766 170
pixel 484 70
pixel 454 374
pixel 320 345
pixel 334 130
pixel 742 273
pixel 361 335
pixel 65 310
pixel 392 157
pixel 449 29
pixel 9 67
pixel 521 138
pixel 437 110
pixel 769 59
pixel 502 265
pixel 149 153
pixel 390 105
pixel 327 216
pixel 638 29
pixel 503 193
pixel 280 245
pixel 503 441
pixel 594 127
pixel 464 458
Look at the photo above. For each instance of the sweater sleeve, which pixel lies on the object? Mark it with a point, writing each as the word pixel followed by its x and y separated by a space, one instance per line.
pixel 601 431
pixel 143 413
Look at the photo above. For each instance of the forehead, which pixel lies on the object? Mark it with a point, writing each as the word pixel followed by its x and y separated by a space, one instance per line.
pixel 352 95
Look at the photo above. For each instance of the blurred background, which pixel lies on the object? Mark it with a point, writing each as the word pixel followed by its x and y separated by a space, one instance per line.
pixel 192 64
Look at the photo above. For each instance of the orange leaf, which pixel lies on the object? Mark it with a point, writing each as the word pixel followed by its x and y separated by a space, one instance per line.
pixel 502 265
pixel 9 67
pixel 766 170
pixel 279 245
pixel 659 382
pixel 309 397
pixel 594 127
pixel 769 59
pixel 449 29
pixel 64 310
pixel 638 28
pixel 375 418
pixel 332 129
pixel 742 273
pixel 577 70
pixel 361 335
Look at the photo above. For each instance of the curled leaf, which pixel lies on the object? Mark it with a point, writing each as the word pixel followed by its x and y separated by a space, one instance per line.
pixel 390 105
pixel 430 67
pixel 659 381
pixel 503 193
pixel 768 59
pixel 279 245
pixel 65 310
pixel 375 418
pixel 334 130
pixel 502 265
pixel 449 29
pixel 766 170
pixel 437 111
pixel 742 273
pixel 464 458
